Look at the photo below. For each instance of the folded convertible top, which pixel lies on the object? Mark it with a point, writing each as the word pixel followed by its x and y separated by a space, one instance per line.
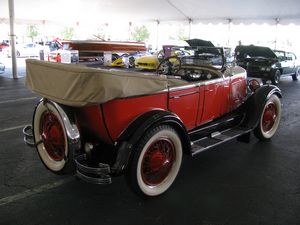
pixel 77 85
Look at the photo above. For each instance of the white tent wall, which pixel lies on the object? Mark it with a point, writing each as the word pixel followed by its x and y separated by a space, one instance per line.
pixel 224 22
pixel 145 10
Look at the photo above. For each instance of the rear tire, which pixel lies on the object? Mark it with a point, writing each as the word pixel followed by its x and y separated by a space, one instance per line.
pixel 156 161
pixel 269 119
pixel 51 139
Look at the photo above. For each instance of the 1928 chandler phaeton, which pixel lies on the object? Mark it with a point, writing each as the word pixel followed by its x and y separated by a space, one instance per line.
pixel 101 123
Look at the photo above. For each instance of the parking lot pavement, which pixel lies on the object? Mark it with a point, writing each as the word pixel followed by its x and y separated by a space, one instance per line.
pixel 8 66
pixel 237 183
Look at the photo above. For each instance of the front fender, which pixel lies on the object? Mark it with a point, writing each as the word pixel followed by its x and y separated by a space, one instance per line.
pixel 254 105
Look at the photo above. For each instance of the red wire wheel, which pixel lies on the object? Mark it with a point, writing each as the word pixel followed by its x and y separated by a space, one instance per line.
pixel 158 161
pixel 52 135
pixel 269 117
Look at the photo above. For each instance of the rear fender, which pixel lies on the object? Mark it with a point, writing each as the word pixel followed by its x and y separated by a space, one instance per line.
pixel 128 139
pixel 72 131
pixel 254 105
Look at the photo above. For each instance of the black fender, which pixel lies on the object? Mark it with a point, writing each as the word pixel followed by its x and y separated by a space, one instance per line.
pixel 254 105
pixel 128 139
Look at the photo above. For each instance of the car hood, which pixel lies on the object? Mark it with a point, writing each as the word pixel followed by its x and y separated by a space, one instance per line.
pixel 147 59
pixel 243 52
pixel 199 42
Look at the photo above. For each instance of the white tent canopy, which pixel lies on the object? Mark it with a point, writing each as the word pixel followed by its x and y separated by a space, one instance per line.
pixel 99 11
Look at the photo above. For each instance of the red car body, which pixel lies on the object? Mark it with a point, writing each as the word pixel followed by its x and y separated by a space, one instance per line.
pixel 144 136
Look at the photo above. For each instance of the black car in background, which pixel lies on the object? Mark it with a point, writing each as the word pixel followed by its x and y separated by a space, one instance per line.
pixel 264 63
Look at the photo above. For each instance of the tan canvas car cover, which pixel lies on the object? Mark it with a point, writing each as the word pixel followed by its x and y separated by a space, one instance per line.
pixel 77 85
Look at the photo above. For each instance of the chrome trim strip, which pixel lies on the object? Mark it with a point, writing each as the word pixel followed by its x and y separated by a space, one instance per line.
pixel 182 95
pixel 179 88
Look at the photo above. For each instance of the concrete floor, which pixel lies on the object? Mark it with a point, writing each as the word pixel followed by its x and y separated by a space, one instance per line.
pixel 237 183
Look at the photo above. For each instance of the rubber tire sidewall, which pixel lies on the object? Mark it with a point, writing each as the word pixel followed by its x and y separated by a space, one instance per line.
pixel 52 165
pixel 274 80
pixel 134 175
pixel 258 131
pixel 296 75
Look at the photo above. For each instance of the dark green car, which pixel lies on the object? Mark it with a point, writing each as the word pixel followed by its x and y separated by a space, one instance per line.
pixel 264 63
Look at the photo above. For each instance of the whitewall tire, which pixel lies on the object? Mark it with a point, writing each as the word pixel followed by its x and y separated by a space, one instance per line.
pixel 156 161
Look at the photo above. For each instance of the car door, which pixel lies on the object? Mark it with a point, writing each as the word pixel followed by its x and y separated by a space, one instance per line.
pixel 184 101
pixel 238 87
pixel 286 64
pixel 291 63
pixel 214 98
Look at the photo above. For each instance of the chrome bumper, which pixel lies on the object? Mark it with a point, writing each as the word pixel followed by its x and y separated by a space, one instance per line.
pixel 96 174
pixel 28 136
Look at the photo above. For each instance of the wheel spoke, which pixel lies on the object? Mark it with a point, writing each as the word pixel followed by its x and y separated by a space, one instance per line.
pixel 158 161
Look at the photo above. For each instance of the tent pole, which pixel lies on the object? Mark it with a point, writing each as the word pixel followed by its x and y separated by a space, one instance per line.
pixel 157 27
pixel 276 31
pixel 129 30
pixel 229 32
pixel 12 38
pixel 190 27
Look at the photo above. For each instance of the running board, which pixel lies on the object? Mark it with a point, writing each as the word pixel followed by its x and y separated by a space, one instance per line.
pixel 217 138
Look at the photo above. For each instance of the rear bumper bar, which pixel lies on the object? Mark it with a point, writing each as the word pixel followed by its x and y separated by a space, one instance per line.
pixel 96 174
pixel 28 136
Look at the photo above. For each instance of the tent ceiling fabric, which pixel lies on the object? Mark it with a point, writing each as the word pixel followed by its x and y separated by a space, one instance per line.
pixel 146 10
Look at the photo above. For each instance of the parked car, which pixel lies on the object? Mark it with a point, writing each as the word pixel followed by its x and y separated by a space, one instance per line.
pixel 262 62
pixel 4 45
pixel 2 68
pixel 141 124
pixel 128 59
pixel 149 62
pixel 30 49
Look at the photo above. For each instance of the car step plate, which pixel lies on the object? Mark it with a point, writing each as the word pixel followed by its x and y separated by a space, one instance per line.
pixel 216 138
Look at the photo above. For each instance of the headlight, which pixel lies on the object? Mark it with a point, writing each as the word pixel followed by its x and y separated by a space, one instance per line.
pixel 253 84
pixel 268 69
pixel 263 68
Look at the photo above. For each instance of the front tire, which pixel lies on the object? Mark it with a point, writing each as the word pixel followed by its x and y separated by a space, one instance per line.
pixel 276 77
pixel 131 62
pixel 269 119
pixel 296 75
pixel 156 161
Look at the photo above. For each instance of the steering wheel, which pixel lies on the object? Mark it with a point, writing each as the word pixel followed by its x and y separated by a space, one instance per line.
pixel 169 66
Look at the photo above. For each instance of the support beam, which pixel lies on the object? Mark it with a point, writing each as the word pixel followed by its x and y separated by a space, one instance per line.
pixel 190 27
pixel 229 32
pixel 277 20
pixel 12 35
pixel 157 29
pixel 177 9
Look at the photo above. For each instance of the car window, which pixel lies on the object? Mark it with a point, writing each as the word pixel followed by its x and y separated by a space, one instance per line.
pixel 280 55
pixel 290 56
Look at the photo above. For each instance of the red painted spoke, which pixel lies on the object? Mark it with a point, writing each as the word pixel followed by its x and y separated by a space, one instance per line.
pixel 52 136
pixel 269 117
pixel 158 161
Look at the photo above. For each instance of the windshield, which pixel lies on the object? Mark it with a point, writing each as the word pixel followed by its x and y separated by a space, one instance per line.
pixel 251 51
pixel 280 54
pixel 204 56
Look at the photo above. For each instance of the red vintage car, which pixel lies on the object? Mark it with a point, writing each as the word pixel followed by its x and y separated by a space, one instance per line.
pixel 101 123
